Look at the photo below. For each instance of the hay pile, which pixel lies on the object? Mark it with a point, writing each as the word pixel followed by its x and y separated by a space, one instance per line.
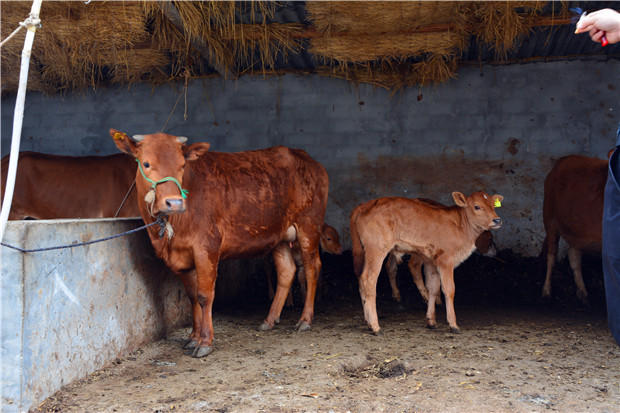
pixel 389 44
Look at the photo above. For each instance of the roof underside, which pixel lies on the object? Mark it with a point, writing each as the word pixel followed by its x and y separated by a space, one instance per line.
pixel 85 45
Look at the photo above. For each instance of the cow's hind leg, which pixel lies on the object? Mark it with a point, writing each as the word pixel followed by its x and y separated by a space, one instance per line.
pixel 191 289
pixel 415 268
pixel 285 268
pixel 550 245
pixel 574 257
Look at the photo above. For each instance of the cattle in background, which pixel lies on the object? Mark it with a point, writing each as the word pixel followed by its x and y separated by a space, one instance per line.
pixel 573 210
pixel 484 245
pixel 330 243
pixel 440 237
pixel 239 205
pixel 54 186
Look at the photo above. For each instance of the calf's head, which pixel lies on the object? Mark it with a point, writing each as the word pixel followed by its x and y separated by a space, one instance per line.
pixel 330 240
pixel 480 209
pixel 161 159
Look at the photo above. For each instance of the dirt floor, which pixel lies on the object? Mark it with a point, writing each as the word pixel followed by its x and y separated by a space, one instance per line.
pixel 516 352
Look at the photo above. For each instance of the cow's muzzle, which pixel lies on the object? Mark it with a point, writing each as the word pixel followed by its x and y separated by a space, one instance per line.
pixel 173 206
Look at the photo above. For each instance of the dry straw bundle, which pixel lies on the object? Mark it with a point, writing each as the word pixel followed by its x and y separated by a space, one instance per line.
pixel 392 44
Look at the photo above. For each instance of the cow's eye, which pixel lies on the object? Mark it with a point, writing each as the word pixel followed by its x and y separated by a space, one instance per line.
pixel 477 207
pixel 147 165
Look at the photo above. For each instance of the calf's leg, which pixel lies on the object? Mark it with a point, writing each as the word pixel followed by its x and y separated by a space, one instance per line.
pixel 368 287
pixel 446 275
pixel 391 267
pixel 433 284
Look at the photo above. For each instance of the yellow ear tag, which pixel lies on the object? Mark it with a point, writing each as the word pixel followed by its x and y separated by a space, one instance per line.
pixel 497 203
pixel 118 135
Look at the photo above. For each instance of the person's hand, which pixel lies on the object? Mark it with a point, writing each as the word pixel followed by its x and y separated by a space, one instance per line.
pixel 602 22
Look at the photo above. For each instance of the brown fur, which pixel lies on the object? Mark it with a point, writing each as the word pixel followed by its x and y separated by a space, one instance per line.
pixel 239 205
pixel 437 236
pixel 573 210
pixel 53 186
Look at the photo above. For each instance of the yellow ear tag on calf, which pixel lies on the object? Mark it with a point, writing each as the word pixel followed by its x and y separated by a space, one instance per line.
pixel 497 203
pixel 118 135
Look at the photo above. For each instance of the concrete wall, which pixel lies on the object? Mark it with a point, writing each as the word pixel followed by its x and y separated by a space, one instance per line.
pixel 496 128
pixel 66 313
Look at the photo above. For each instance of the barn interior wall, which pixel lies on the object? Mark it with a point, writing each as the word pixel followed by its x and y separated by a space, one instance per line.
pixel 496 128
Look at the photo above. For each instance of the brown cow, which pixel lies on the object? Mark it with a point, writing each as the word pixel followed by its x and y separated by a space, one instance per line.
pixel 330 243
pixel 439 237
pixel 484 245
pixel 573 210
pixel 53 186
pixel 238 205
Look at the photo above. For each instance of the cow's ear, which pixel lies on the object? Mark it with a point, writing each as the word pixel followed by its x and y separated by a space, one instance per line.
pixel 193 151
pixel 497 198
pixel 123 142
pixel 459 199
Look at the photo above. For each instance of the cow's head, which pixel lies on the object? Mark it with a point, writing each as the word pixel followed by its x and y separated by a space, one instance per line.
pixel 161 159
pixel 480 209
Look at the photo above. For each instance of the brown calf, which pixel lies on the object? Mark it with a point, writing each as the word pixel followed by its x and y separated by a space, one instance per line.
pixel 437 236
pixel 53 186
pixel 484 245
pixel 573 210
pixel 229 205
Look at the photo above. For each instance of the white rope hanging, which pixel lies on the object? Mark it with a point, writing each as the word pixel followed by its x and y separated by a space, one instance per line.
pixel 30 21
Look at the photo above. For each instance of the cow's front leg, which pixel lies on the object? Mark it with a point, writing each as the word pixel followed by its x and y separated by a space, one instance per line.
pixel 285 268
pixel 191 289
pixel 206 273
pixel 433 286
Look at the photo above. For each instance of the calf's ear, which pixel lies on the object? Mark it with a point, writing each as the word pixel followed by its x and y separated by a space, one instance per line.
pixel 123 142
pixel 193 151
pixel 459 199
pixel 497 198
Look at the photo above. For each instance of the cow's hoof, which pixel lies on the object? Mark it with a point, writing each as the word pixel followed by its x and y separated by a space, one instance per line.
pixel 202 351
pixel 455 330
pixel 190 344
pixel 264 327
pixel 302 326
pixel 378 333
pixel 430 325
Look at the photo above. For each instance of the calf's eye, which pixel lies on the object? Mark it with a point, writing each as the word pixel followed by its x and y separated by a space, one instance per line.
pixel 146 164
pixel 476 207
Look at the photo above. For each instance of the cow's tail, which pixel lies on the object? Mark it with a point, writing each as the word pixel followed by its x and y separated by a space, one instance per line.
pixel 357 247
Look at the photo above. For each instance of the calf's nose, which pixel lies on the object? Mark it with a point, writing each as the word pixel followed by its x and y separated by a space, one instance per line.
pixel 497 221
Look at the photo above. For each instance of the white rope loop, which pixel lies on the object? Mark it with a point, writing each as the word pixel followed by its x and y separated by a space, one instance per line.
pixel 32 20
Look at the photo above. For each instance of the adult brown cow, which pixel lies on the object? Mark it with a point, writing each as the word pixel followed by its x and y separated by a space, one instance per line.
pixel 238 205
pixel 573 210
pixel 438 236
pixel 54 186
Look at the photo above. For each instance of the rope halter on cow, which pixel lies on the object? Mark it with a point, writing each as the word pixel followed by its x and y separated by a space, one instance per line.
pixel 150 196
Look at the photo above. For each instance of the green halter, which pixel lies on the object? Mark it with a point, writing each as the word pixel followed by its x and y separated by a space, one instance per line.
pixel 184 192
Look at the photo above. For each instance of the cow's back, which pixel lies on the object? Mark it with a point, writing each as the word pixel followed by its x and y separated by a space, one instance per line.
pixel 573 201
pixel 249 198
pixel 54 186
